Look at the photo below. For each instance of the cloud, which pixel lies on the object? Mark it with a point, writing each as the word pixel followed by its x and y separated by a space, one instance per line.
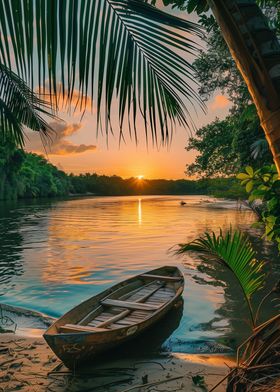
pixel 219 102
pixel 57 143
pixel 78 104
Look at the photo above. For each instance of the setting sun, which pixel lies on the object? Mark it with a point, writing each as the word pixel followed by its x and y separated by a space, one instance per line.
pixel 141 177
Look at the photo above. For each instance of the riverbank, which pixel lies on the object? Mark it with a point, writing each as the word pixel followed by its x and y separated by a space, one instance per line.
pixel 28 364
pixel 48 181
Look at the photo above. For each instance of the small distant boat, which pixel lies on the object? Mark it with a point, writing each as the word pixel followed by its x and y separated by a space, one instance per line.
pixel 114 316
pixel 183 203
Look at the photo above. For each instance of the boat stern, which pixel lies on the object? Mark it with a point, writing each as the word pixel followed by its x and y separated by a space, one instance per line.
pixel 70 348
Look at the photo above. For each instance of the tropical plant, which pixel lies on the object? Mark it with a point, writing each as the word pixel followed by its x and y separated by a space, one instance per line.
pixel 259 148
pixel 216 70
pixel 271 9
pixel 104 49
pixel 233 250
pixel 255 48
pixel 264 185
pixel 110 48
pixel 225 146
pixel 256 51
pixel 26 175
pixel 19 107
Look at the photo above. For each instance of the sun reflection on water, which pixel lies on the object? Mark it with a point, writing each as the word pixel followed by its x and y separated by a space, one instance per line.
pixel 140 211
pixel 82 246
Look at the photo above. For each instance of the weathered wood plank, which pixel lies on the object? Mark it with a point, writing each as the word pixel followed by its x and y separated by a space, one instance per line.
pixel 138 317
pixel 128 305
pixel 101 319
pixel 128 311
pixel 121 291
pixel 124 322
pixel 93 324
pixel 140 313
pixel 151 286
pixel 160 300
pixel 162 277
pixel 163 295
pixel 80 328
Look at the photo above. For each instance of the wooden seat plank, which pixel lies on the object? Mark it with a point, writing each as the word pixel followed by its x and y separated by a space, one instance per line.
pixel 125 322
pixel 128 305
pixel 80 328
pixel 126 312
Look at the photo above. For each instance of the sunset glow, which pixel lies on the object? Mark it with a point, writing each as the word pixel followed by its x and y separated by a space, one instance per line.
pixel 75 149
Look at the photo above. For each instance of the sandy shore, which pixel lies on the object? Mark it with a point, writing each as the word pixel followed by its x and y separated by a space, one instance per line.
pixel 28 364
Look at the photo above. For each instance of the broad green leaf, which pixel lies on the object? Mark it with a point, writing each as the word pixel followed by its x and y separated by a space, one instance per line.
pixel 263 187
pixel 242 176
pixel 249 186
pixel 266 177
pixel 271 219
pixel 249 170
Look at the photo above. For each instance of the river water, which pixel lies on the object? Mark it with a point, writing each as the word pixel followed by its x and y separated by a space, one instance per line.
pixel 55 254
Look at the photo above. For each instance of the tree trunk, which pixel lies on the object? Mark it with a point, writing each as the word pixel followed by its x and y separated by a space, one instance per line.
pixel 256 51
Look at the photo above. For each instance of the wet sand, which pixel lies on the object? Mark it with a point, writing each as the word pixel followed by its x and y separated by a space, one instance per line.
pixel 28 364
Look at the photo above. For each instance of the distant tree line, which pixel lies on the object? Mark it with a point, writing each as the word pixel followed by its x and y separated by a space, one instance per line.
pixel 114 185
pixel 28 175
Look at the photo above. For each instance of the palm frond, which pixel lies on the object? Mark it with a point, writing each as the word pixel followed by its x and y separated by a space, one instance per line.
pixel 105 48
pixel 259 148
pixel 233 250
pixel 20 106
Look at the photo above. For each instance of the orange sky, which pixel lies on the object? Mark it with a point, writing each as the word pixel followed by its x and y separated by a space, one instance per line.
pixel 76 148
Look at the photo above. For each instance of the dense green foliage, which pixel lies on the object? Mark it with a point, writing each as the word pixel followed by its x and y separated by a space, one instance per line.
pixel 216 70
pixel 225 146
pixel 26 175
pixel 271 8
pixel 11 160
pixel 264 184
pixel 223 187
pixel 29 175
pixel 114 185
pixel 233 250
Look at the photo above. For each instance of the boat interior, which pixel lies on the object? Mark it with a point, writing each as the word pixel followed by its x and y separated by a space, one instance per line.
pixel 128 305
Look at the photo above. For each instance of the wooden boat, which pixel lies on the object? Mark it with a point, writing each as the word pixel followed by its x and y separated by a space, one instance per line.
pixel 114 316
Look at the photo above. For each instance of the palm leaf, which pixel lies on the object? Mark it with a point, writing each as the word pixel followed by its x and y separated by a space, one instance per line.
pixel 233 250
pixel 20 106
pixel 259 148
pixel 105 48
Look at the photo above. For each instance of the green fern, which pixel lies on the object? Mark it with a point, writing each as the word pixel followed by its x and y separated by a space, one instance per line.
pixel 233 250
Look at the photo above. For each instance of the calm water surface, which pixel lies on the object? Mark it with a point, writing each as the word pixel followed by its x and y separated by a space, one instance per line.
pixel 55 254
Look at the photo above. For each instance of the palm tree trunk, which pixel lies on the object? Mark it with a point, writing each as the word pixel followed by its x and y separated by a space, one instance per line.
pixel 256 51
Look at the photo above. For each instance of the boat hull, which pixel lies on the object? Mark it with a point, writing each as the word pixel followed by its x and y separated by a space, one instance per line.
pixel 74 349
